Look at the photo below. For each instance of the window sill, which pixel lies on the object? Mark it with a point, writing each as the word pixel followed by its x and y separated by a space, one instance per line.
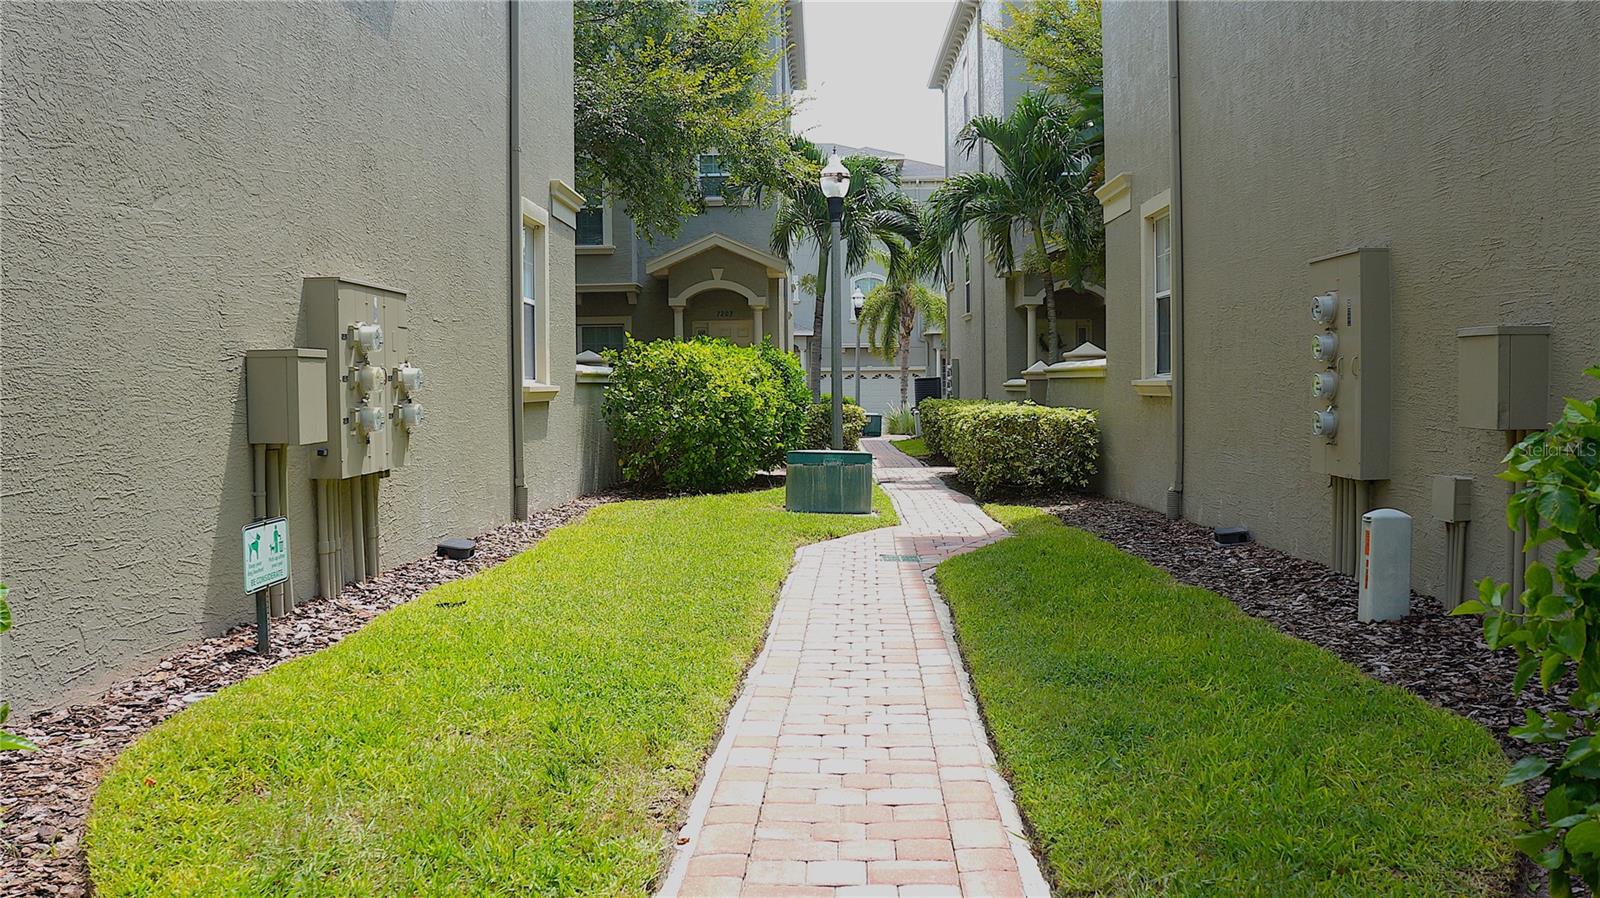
pixel 594 249
pixel 1154 386
pixel 534 391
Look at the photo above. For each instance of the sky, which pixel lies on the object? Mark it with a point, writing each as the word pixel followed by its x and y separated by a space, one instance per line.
pixel 867 65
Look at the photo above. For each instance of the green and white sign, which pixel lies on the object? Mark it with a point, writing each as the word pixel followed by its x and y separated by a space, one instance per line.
pixel 266 553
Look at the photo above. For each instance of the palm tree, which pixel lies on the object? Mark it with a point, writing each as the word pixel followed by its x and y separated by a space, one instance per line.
pixel 877 217
pixel 1045 188
pixel 889 315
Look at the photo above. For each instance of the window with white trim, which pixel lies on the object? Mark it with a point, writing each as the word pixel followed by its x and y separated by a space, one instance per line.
pixel 602 334
pixel 591 227
pixel 530 301
pixel 1162 296
pixel 534 318
pixel 966 260
pixel 713 176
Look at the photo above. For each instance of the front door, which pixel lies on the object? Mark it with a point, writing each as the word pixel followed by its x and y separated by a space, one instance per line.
pixel 734 331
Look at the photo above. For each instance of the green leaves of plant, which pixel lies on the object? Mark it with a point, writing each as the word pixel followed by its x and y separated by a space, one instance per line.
pixel 1524 770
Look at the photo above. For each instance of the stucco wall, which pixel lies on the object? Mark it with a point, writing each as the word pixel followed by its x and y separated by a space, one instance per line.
pixel 1458 135
pixel 172 172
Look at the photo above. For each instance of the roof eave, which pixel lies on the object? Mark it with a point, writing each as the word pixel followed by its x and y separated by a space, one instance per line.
pixel 955 32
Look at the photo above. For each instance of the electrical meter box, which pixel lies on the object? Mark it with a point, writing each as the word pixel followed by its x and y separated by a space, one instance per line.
pixel 286 396
pixel 1452 499
pixel 1351 364
pixel 363 329
pixel 1503 377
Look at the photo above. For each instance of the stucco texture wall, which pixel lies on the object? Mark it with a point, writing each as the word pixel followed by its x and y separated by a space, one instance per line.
pixel 172 172
pixel 1460 136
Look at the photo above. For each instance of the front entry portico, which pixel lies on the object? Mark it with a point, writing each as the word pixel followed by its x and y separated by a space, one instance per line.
pixel 720 287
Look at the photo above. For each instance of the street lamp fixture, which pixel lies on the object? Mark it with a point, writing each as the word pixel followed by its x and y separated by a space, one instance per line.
pixel 857 300
pixel 835 183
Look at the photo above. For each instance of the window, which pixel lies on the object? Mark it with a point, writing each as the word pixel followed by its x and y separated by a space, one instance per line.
pixel 713 176
pixel 534 263
pixel 600 337
pixel 1162 265
pixel 530 302
pixel 592 226
pixel 1155 300
pixel 966 260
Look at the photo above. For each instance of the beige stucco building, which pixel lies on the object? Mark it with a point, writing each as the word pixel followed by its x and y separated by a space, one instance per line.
pixel 1456 143
pixel 173 175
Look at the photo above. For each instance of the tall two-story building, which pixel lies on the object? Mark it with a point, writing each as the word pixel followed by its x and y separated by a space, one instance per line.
pixel 997 322
pixel 188 184
pixel 717 277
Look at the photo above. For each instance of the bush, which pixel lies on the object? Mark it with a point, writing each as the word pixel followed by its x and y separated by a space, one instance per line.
pixel 704 414
pixel 934 413
pixel 1007 444
pixel 900 420
pixel 1554 627
pixel 819 425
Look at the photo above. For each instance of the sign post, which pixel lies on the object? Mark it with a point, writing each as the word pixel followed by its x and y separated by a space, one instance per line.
pixel 266 563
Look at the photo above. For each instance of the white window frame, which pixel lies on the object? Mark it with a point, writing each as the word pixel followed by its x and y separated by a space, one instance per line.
pixel 1151 382
pixel 625 321
pixel 536 384
pixel 700 180
pixel 608 243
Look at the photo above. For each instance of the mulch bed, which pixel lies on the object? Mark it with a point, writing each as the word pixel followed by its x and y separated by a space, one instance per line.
pixel 44 795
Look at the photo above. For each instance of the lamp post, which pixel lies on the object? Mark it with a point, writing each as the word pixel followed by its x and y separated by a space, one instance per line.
pixel 835 183
pixel 857 300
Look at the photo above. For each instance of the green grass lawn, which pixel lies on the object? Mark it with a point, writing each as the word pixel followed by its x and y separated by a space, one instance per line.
pixel 532 730
pixel 1163 743
pixel 913 447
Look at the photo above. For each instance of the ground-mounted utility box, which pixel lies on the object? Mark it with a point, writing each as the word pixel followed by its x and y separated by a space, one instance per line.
pixel 1351 380
pixel 286 396
pixel 828 481
pixel 363 329
pixel 1503 377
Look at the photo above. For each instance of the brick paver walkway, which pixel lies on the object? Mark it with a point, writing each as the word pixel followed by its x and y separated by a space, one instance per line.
pixel 854 762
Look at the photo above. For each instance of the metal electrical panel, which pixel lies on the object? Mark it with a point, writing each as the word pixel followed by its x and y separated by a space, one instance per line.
pixel 286 396
pixel 1503 377
pixel 1350 349
pixel 371 413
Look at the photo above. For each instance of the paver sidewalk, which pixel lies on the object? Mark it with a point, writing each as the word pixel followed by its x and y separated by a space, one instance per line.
pixel 854 762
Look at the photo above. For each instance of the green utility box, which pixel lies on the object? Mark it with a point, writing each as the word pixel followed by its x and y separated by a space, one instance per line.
pixel 874 426
pixel 826 481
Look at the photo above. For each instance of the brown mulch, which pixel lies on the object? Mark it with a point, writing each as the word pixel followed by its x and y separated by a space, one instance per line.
pixel 1443 659
pixel 44 795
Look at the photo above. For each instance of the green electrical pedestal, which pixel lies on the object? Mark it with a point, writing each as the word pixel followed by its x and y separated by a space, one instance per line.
pixel 826 481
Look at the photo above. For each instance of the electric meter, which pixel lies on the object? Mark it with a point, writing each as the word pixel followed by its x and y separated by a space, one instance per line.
pixel 409 377
pixel 367 378
pixel 367 337
pixel 1324 384
pixel 1325 423
pixel 1324 307
pixel 1325 347
pixel 369 419
pixel 408 414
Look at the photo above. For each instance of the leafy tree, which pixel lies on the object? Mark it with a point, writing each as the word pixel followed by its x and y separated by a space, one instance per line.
pixel 1554 628
pixel 1060 41
pixel 8 741
pixel 891 311
pixel 656 83
pixel 877 218
pixel 1045 187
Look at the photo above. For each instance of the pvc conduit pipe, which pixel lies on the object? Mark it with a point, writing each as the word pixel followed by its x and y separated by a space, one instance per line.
pixel 371 514
pixel 519 485
pixel 283 503
pixel 274 509
pixel 326 586
pixel 358 554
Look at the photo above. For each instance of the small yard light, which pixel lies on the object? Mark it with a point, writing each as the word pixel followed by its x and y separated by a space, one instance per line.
pixel 835 183
pixel 857 300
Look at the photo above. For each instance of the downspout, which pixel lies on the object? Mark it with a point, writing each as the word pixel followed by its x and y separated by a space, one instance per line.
pixel 983 281
pixel 1174 105
pixel 519 485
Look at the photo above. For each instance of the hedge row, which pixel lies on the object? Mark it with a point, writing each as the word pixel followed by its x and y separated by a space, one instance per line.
pixel 1013 445
pixel 933 414
pixel 819 424
pixel 703 414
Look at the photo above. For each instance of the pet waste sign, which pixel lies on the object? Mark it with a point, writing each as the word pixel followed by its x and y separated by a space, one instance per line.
pixel 266 553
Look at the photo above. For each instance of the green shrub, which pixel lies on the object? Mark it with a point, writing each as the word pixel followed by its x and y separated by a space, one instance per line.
pixel 1006 444
pixel 900 420
pixel 1554 627
pixel 934 413
pixel 8 741
pixel 819 425
pixel 703 414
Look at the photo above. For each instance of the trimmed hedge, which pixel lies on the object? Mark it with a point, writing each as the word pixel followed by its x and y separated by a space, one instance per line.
pixel 704 414
pixel 819 424
pixel 934 413
pixel 1020 445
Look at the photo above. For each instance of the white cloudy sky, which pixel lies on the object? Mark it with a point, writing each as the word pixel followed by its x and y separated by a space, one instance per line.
pixel 867 65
